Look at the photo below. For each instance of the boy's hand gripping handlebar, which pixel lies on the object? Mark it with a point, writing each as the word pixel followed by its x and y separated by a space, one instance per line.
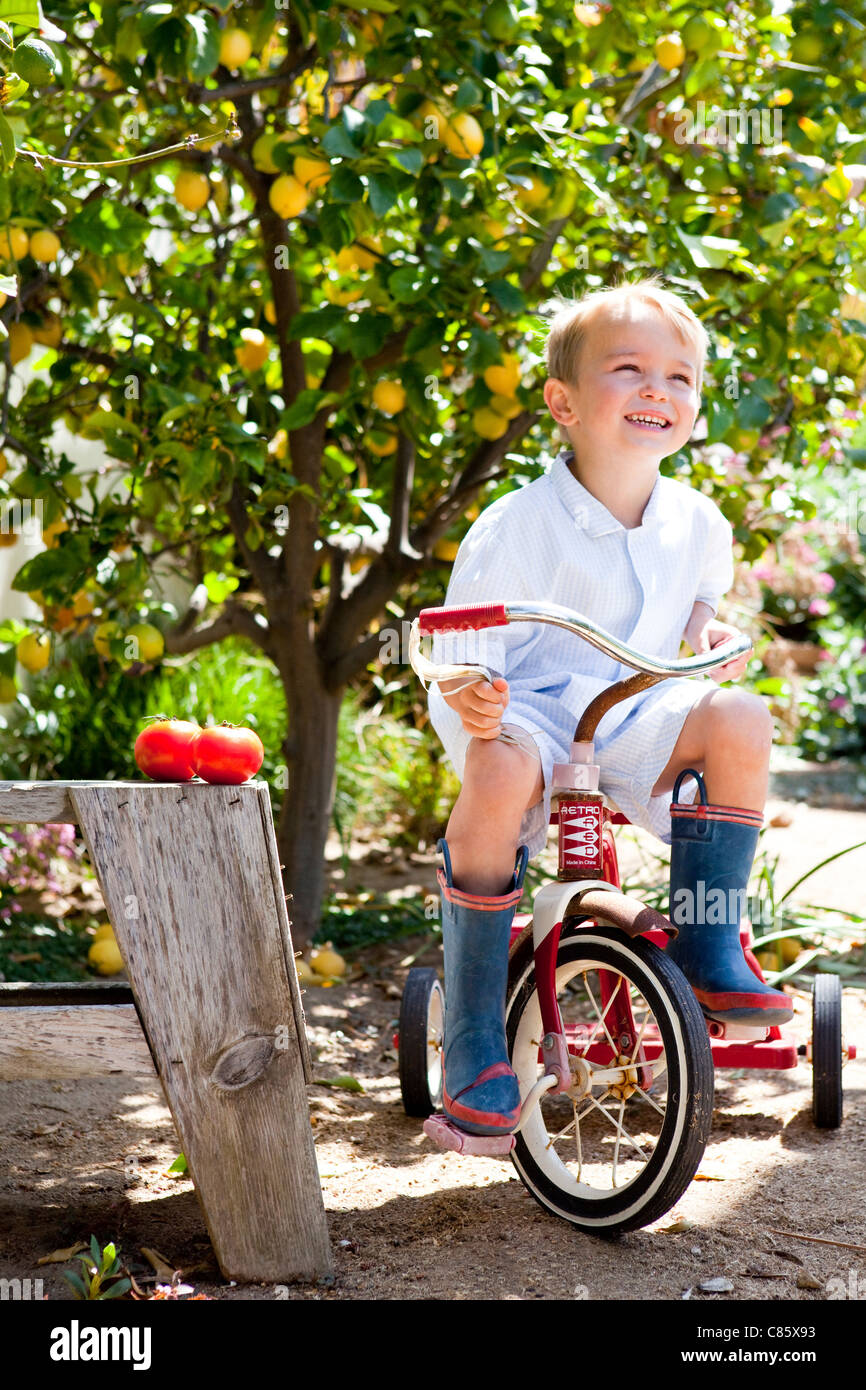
pixel 475 616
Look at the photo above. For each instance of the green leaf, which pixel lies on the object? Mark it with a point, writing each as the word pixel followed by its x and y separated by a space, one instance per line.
pixel 106 227
pixel 203 45
pixel 95 1251
pixel 345 187
pixel 509 297
pixel 306 406
pixel 179 1165
pixel 7 142
pixel 383 193
pixel 412 160
pixel 76 1283
pixel 24 12
pixel 468 94
pixel 116 1290
pixel 711 252
pixel 9 286
pixel 345 1083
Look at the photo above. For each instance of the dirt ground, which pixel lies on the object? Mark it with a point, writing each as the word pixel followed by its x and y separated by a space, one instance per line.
pixel 408 1222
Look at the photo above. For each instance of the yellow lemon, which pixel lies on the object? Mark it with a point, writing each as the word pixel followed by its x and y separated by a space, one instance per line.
pixel 104 955
pixel 335 295
pixel 325 961
pixel 44 246
pixel 312 173
pixel 306 974
pixel 446 550
pixel 463 136
pixel 14 243
pixel 537 193
pixel 103 931
pixel 488 424
pixel 389 396
pixel 807 47
pixel 506 406
pixel 262 153
pixel 34 651
pixel 503 378
pixel 191 189
pixel 287 196
pixel 149 641
pixel 50 533
pixel 20 342
pixel 494 229
pixel 382 444
pixel 669 51
pixel 82 604
pixel 235 48
pixel 49 331
pixel 4 463
pixel 270 312
pixel 253 350
pixel 103 634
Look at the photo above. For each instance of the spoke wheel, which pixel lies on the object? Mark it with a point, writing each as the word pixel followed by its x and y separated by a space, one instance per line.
pixel 421 1025
pixel 621 1147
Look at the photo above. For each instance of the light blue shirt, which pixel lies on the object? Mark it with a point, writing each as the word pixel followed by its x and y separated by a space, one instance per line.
pixel 553 541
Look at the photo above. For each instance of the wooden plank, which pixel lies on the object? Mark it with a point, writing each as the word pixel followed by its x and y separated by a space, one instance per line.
pixel 56 1042
pixel 42 803
pixel 285 927
pixel 188 880
pixel 43 992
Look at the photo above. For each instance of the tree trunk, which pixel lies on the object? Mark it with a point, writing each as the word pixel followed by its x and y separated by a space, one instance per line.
pixel 305 815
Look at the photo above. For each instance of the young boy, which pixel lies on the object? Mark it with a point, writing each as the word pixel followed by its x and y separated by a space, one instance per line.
pixel 648 559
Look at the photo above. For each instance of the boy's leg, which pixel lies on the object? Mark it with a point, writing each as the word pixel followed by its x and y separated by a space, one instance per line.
pixel 728 734
pixel 480 888
pixel 500 781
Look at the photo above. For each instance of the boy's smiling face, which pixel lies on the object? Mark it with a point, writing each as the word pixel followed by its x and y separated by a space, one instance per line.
pixel 631 364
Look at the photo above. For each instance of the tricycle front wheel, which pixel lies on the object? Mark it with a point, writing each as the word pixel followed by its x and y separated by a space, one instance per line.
pixel 620 1148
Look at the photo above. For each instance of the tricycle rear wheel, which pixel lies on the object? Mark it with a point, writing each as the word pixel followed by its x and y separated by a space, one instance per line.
pixel 827 1051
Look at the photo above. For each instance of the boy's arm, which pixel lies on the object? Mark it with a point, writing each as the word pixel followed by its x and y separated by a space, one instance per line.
pixel 703 632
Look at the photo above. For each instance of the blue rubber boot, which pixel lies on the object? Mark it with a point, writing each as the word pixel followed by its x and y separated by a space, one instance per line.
pixel 712 850
pixel 480 1090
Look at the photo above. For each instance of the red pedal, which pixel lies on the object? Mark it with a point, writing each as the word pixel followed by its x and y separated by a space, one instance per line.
pixel 447 1136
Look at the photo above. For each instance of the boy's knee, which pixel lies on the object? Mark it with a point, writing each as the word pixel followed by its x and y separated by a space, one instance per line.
pixel 502 771
pixel 742 716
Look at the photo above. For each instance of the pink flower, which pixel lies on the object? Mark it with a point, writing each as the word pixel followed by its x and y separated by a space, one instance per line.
pixel 824 655
pixel 825 582
pixel 819 606
pixel 764 572
pixel 838 702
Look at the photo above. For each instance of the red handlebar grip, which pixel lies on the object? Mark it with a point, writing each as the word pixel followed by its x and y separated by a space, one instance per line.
pixel 471 616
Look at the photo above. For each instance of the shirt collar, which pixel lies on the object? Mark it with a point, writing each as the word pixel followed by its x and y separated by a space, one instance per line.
pixel 592 515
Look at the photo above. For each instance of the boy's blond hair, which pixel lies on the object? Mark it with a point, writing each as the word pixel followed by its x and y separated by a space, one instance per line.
pixel 569 321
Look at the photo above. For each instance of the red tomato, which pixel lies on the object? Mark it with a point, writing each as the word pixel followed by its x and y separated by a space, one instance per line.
pixel 164 750
pixel 227 753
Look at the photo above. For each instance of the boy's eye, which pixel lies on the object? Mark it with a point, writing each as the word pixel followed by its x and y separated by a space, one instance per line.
pixel 631 366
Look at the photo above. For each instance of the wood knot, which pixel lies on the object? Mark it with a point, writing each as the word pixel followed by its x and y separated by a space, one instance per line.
pixel 243 1062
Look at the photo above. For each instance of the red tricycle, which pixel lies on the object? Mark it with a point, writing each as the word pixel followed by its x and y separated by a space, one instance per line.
pixel 614 1057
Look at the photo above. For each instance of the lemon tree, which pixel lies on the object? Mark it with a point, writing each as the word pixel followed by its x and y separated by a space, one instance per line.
pixel 284 265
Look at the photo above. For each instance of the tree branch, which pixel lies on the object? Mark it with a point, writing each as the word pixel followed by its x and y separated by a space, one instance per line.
pixel 234 620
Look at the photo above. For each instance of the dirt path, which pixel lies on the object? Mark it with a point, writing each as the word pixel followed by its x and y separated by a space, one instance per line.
pixel 408 1222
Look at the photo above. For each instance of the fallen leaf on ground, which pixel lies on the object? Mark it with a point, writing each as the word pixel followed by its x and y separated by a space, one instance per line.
pixel 345 1083
pixel 719 1284
pixel 58 1256
pixel 684 1224
pixel 164 1271
pixel 805 1280
pixel 707 1177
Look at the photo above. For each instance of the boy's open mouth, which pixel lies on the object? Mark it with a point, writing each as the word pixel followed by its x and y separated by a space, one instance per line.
pixel 649 420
